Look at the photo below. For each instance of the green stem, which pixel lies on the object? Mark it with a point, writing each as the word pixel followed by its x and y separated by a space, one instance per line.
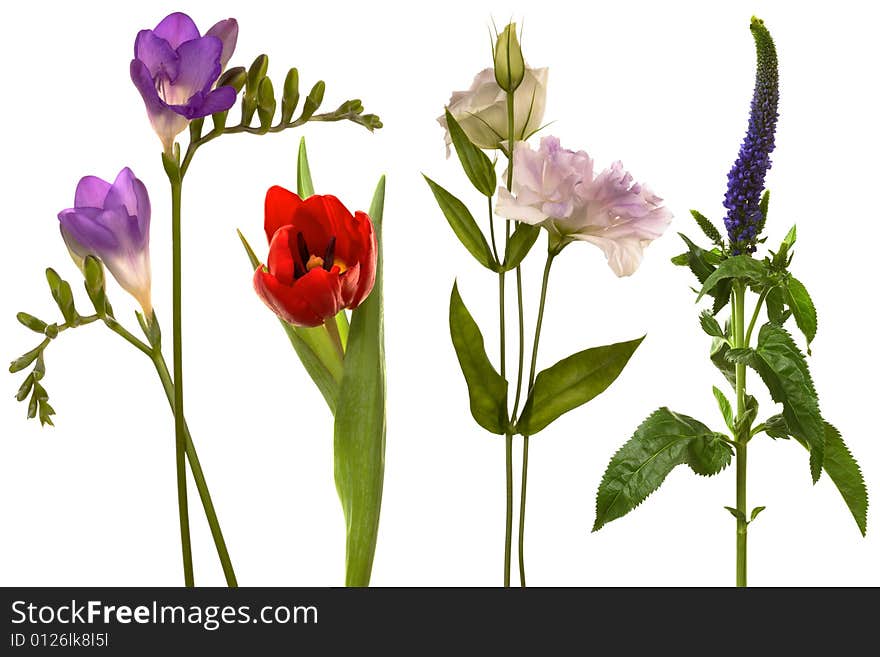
pixel 742 437
pixel 525 458
pixel 333 329
pixel 179 426
pixel 492 231
pixel 508 532
pixel 761 298
pixel 198 475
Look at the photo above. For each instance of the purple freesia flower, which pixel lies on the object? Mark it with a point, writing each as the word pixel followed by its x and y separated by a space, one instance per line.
pixel 112 223
pixel 175 69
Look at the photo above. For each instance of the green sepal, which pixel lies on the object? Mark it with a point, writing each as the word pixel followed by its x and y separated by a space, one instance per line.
pixel 464 226
pixel 313 101
pixel 151 329
pixel 95 286
pixel 195 128
pixel 476 163
pixel 573 382
pixel 639 467
pixel 266 104
pixel 31 322
pixel 521 242
pixel 487 389
pixel 290 95
pixel 360 424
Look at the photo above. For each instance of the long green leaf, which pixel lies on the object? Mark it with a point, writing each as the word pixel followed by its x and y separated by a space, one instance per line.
pixel 476 163
pixel 304 187
pixel 741 266
pixel 572 382
pixel 521 242
pixel 847 476
pixel 313 346
pixel 487 389
pixel 463 225
pixel 784 370
pixel 359 431
pixel 644 461
pixel 798 299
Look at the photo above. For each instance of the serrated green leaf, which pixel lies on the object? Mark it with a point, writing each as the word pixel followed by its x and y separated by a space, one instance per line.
pixel 756 511
pixel 703 263
pixel 521 242
pixel 776 306
pixel 476 163
pixel 573 382
pixel 784 370
pixel 290 95
pixel 708 228
pixel 737 267
pixel 644 461
pixel 360 423
pixel 710 325
pixel 464 226
pixel 487 389
pixel 718 355
pixel 798 299
pixel 709 454
pixel 741 355
pixel 681 259
pixel 844 471
pixel 724 406
pixel 743 422
pixel 776 427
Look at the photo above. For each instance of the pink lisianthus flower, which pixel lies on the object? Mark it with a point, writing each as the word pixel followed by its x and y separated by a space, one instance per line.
pixel 555 188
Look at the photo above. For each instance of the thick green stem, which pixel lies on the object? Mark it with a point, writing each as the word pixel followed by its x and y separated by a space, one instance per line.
pixel 525 457
pixel 742 437
pixel 179 426
pixel 198 475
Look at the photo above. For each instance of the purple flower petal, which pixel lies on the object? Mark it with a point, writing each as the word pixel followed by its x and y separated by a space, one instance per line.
pixel 130 195
pixel 157 54
pixel 227 32
pixel 166 123
pixel 91 192
pixel 177 28
pixel 95 229
pixel 198 71
pixel 219 100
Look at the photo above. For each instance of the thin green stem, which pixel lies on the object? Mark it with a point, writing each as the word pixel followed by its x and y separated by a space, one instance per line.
pixel 492 231
pixel 120 330
pixel 525 458
pixel 755 314
pixel 743 436
pixel 508 449
pixel 198 476
pixel 179 426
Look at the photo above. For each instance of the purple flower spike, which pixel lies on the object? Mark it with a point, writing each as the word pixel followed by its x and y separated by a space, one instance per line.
pixel 112 223
pixel 175 69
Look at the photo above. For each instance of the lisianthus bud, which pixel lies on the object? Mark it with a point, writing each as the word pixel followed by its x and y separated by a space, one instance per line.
pixel 510 68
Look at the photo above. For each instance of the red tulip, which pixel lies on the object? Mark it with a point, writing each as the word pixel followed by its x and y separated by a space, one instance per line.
pixel 321 258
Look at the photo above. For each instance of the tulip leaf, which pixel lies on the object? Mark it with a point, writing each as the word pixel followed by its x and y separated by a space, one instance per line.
pixel 313 346
pixel 304 187
pixel 476 163
pixel 572 382
pixel 798 299
pixel 785 373
pixel 521 242
pixel 736 267
pixel 639 467
pixel 486 387
pixel 359 430
pixel 290 95
pixel 464 225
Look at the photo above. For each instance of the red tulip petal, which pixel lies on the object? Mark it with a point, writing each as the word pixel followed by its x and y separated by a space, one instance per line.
pixel 283 301
pixel 319 218
pixel 322 291
pixel 280 261
pixel 349 284
pixel 280 207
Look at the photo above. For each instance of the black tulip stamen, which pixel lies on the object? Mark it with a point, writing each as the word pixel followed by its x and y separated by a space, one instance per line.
pixel 298 271
pixel 303 250
pixel 329 253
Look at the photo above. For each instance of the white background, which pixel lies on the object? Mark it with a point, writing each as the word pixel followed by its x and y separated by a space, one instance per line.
pixel 663 86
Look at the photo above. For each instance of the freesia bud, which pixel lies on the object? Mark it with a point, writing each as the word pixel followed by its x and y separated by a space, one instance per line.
pixel 175 69
pixel 510 67
pixel 112 223
pixel 234 77
pixel 321 258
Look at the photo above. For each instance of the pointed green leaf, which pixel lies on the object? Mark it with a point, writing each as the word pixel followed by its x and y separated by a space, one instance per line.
pixel 290 95
pixel 708 454
pixel 798 299
pixel 521 242
pixel 710 325
pixel 756 511
pixel 776 306
pixel 736 513
pixel 359 430
pixel 718 355
pixel 304 187
pixel 476 163
pixel 703 263
pixel 776 427
pixel 744 355
pixel 642 464
pixel 487 389
pixel 708 228
pixel 784 370
pixel 743 423
pixel 741 267
pixel 463 225
pixel 573 382
pixel 724 406
pixel 844 471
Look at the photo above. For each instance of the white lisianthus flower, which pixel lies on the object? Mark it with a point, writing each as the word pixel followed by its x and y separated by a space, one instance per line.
pixel 555 188
pixel 482 110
